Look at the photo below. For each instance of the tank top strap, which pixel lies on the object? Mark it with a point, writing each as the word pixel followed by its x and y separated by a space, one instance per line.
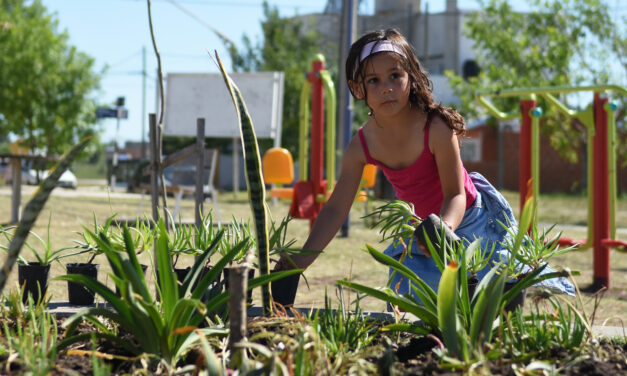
pixel 364 146
pixel 429 118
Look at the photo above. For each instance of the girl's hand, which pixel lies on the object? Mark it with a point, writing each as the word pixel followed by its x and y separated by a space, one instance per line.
pixel 432 228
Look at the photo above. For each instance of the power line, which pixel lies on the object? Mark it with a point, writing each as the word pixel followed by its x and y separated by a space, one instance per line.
pixel 124 60
pixel 237 4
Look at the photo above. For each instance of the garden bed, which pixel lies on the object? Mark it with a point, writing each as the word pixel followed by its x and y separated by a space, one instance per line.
pixel 404 354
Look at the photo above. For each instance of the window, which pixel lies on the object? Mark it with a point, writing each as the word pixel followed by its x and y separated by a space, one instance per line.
pixel 471 150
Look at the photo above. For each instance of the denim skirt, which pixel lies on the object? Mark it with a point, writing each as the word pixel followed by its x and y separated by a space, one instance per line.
pixel 489 218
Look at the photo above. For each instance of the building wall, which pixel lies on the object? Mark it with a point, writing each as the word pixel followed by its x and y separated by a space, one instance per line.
pixel 556 173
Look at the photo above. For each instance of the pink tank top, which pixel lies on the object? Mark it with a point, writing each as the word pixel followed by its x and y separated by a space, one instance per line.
pixel 420 182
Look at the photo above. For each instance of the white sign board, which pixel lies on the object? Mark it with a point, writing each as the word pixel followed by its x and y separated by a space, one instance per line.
pixel 190 96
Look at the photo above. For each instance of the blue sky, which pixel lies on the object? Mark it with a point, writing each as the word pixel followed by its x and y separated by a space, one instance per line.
pixel 115 31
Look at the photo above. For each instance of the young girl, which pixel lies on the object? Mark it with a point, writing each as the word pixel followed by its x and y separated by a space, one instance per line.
pixel 415 142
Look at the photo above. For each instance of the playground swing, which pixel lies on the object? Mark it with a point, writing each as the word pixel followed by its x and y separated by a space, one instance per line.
pixel 599 119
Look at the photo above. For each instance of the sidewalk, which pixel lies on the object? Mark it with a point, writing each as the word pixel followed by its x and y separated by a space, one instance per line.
pixel 81 191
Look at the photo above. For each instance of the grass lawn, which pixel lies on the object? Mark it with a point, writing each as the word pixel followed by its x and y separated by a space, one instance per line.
pixel 67 211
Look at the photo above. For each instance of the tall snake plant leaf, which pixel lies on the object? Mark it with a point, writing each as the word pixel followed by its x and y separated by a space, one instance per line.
pixel 34 207
pixel 447 309
pixel 254 180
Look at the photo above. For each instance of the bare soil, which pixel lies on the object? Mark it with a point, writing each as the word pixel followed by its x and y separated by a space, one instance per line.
pixel 408 355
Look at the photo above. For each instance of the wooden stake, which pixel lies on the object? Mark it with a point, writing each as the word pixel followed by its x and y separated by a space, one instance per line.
pixel 238 285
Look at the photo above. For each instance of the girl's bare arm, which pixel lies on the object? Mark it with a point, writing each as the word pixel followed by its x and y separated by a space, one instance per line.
pixel 445 146
pixel 334 212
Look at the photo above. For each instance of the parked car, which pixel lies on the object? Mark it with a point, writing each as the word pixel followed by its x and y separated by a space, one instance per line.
pixel 67 179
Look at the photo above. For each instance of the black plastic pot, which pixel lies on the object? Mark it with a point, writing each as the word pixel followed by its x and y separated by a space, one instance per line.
pixel 251 275
pixel 518 300
pixel 144 268
pixel 77 293
pixel 34 278
pixel 284 290
pixel 181 273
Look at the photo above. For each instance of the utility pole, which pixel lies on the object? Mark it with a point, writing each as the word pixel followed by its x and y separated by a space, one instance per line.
pixel 143 151
pixel 120 113
pixel 345 120
pixel 425 59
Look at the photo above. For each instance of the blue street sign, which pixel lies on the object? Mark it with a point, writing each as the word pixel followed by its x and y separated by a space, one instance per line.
pixel 103 112
pixel 118 112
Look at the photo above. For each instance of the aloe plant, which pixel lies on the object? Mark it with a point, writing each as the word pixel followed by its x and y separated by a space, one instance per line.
pixel 237 231
pixel 160 327
pixel 342 330
pixel 536 334
pixel 254 181
pixel 166 327
pixel 34 207
pixel 32 342
pixel 529 253
pixel 533 249
pixel 396 220
pixel 464 323
pixel 142 235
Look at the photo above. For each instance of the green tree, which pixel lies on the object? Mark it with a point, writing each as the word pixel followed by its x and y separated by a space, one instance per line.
pixel 557 43
pixel 45 84
pixel 287 47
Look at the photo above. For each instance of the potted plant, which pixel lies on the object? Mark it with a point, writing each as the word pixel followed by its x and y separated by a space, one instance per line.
pixel 195 241
pixel 142 236
pixel 397 221
pixel 477 258
pixel 33 275
pixel 284 290
pixel 161 325
pixel 530 252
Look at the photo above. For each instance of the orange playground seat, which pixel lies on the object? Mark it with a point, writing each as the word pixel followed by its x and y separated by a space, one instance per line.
pixel 278 168
pixel 368 179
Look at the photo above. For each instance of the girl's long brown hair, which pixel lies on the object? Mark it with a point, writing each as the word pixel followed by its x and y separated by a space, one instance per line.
pixel 421 92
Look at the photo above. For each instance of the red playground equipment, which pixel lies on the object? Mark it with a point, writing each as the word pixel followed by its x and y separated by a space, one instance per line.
pixel 601 125
pixel 311 190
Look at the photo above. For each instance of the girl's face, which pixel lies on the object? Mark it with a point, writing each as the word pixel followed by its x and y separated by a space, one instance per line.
pixel 386 83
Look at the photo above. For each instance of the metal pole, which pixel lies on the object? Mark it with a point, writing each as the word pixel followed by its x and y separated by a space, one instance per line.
pixel 316 169
pixel 143 151
pixel 114 162
pixel 16 189
pixel 601 259
pixel 345 121
pixel 155 173
pixel 501 156
pixel 154 165
pixel 425 59
pixel 524 174
pixel 200 170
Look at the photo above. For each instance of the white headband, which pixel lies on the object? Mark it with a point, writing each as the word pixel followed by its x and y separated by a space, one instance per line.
pixel 375 47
